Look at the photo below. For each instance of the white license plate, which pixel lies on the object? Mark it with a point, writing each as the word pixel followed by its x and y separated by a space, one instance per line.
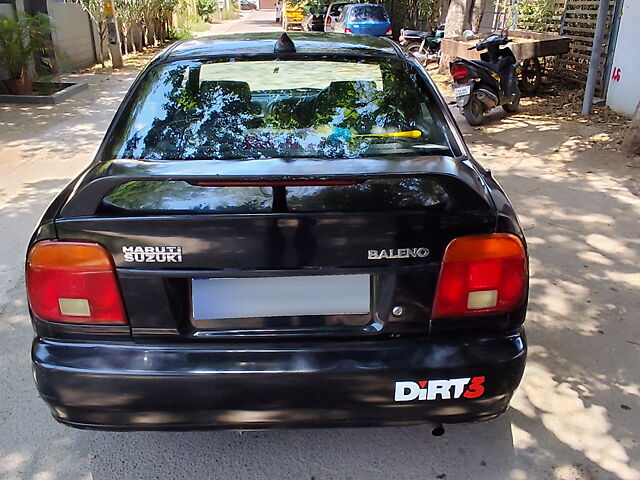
pixel 461 91
pixel 217 298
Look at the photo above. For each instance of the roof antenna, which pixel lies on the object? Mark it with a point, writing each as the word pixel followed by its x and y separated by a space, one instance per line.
pixel 284 44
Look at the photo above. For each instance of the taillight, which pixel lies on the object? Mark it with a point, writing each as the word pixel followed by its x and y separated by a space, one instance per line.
pixel 328 20
pixel 73 282
pixel 481 275
pixel 347 30
pixel 389 32
pixel 459 72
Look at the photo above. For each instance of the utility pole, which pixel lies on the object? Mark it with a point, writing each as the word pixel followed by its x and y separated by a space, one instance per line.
pixel 594 64
pixel 114 36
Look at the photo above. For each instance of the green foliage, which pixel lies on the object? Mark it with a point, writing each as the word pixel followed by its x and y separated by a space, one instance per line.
pixel 20 38
pixel 95 9
pixel 419 14
pixel 190 24
pixel 538 15
pixel 207 8
pixel 130 13
pixel 186 100
pixel 127 12
pixel 144 12
pixel 177 34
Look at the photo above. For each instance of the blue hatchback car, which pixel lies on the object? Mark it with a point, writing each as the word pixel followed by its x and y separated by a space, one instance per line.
pixel 364 19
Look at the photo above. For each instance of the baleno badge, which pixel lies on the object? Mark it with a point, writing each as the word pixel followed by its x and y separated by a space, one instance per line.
pixel 398 253
pixel 139 254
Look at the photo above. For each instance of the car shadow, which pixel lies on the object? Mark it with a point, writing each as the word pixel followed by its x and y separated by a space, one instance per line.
pixel 400 452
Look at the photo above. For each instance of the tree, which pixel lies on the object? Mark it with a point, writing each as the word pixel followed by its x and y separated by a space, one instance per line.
pixel 462 15
pixel 416 14
pixel 443 8
pixel 163 15
pixel 458 17
pixel 127 15
pixel 477 11
pixel 631 143
pixel 95 9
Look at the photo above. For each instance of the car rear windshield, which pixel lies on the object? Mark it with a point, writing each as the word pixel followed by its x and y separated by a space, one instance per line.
pixel 368 13
pixel 239 109
pixel 336 9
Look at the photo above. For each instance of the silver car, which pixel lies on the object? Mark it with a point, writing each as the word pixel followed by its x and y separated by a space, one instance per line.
pixel 333 13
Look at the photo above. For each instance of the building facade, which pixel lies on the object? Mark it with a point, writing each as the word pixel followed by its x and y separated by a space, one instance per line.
pixel 623 94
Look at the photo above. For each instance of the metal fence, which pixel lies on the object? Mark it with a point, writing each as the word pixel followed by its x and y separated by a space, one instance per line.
pixel 576 20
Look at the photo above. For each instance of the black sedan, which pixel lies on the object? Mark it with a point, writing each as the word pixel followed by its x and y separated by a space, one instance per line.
pixel 279 231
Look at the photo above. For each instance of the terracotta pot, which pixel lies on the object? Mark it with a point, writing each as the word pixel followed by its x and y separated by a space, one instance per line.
pixel 20 86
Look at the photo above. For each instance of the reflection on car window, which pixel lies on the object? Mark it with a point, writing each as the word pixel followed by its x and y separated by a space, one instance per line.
pixel 368 13
pixel 337 9
pixel 370 195
pixel 276 108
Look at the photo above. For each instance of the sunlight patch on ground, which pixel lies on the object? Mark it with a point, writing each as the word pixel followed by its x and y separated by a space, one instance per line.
pixel 44 476
pixel 630 279
pixel 518 474
pixel 629 389
pixel 562 301
pixel 594 257
pixel 521 438
pixel 582 425
pixel 521 121
pixel 609 245
pixel 14 462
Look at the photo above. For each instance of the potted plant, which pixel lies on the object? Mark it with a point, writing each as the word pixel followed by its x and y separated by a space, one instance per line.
pixel 20 38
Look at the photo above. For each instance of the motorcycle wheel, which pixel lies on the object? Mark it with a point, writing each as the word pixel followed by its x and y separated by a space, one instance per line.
pixel 531 76
pixel 514 105
pixel 415 48
pixel 473 111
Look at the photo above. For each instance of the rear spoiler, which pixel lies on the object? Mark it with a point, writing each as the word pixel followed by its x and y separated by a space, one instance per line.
pixel 457 176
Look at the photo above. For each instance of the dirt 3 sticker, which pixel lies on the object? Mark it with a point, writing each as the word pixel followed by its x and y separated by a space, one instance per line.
pixel 466 387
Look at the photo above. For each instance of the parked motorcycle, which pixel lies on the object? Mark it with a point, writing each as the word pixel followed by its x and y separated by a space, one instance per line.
pixel 481 85
pixel 424 45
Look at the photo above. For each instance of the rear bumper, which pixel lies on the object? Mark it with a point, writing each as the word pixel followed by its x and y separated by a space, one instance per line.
pixel 139 387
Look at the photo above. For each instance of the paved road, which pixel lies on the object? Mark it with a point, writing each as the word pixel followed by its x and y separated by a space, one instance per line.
pixel 574 417
pixel 250 21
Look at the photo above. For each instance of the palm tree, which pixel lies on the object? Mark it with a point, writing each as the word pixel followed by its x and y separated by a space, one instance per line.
pixel 20 39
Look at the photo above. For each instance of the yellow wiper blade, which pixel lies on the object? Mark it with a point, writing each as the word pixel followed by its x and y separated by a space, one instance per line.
pixel 406 134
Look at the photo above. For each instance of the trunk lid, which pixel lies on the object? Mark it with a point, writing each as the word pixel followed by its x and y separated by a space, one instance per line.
pixel 171 226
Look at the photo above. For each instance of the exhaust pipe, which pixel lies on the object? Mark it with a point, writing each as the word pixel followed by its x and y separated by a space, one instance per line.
pixel 487 97
pixel 438 430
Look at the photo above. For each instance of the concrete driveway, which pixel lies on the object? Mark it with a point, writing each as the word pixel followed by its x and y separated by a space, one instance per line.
pixel 575 416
